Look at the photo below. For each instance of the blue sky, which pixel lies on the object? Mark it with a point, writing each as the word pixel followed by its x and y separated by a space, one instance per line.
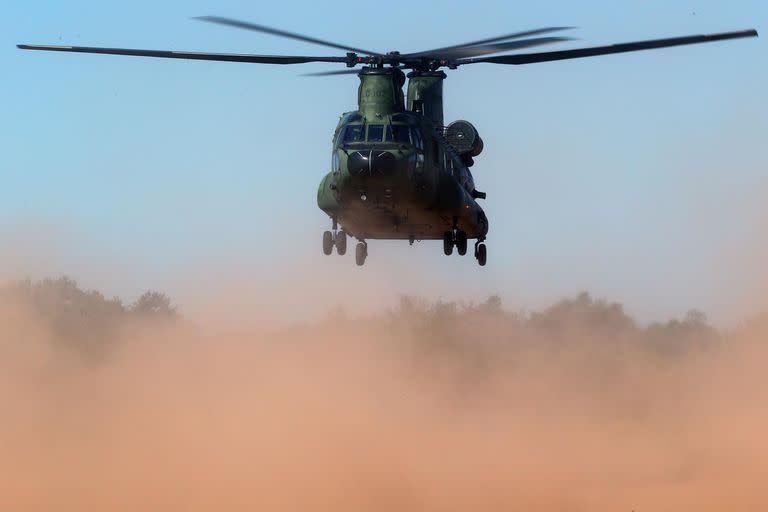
pixel 639 177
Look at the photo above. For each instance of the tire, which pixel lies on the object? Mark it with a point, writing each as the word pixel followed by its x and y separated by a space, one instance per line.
pixel 482 254
pixel 447 243
pixel 361 252
pixel 341 243
pixel 461 243
pixel 327 243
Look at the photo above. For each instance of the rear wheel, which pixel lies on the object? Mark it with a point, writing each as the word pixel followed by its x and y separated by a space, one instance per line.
pixel 481 255
pixel 327 243
pixel 461 242
pixel 341 243
pixel 448 243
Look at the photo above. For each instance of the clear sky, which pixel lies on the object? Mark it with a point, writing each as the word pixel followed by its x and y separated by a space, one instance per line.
pixel 639 177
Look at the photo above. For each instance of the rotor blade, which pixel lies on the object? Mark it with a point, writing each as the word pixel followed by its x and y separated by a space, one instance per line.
pixel 516 35
pixel 351 71
pixel 282 33
pixel 530 58
pixel 475 51
pixel 228 57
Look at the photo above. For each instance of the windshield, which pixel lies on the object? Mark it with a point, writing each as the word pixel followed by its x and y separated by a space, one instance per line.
pixel 375 132
pixel 352 133
pixel 393 133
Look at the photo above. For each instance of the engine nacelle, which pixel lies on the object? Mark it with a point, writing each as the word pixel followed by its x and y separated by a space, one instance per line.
pixel 463 136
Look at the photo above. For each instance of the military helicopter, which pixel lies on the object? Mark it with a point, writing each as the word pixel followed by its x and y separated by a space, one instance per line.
pixel 397 172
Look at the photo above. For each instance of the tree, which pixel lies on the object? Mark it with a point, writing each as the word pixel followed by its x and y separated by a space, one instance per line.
pixel 155 305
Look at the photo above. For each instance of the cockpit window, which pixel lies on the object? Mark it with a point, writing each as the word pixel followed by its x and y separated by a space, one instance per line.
pixel 353 133
pixel 375 132
pixel 398 133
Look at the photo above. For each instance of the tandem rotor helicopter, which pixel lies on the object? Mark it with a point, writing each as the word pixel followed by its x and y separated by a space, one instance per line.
pixel 397 171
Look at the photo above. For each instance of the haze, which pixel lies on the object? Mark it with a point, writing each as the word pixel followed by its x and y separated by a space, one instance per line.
pixel 425 407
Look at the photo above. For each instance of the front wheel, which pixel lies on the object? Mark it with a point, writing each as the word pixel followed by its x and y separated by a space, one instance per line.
pixel 327 243
pixel 341 243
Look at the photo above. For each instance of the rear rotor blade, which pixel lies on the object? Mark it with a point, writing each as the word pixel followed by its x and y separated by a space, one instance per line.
pixel 515 35
pixel 227 57
pixel 531 58
pixel 282 33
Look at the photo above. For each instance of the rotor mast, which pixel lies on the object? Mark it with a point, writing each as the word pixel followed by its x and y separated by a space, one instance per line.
pixel 425 94
pixel 380 92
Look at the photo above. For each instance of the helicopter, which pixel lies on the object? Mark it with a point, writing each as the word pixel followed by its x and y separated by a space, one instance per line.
pixel 397 171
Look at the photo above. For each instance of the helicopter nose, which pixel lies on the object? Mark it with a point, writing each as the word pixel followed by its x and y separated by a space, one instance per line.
pixel 371 162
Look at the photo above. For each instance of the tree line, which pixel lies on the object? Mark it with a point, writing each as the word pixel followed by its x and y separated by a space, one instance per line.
pixel 85 320
pixel 89 321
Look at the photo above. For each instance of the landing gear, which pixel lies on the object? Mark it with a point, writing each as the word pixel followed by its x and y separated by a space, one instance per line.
pixel 455 237
pixel 481 253
pixel 361 252
pixel 335 237
pixel 338 238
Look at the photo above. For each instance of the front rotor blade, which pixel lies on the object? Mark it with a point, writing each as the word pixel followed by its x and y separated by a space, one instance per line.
pixel 332 73
pixel 227 57
pixel 282 33
pixel 515 35
pixel 475 51
pixel 531 58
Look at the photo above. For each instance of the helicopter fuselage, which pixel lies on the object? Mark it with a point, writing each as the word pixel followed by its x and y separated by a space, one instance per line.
pixel 393 173
pixel 396 178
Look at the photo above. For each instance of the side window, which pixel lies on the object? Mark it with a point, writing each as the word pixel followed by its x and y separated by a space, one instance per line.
pixel 375 132
pixel 416 140
pixel 419 160
pixel 398 133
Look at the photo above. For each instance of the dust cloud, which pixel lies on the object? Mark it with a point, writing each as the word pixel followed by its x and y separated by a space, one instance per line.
pixel 423 407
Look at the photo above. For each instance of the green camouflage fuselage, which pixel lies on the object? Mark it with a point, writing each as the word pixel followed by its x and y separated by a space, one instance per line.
pixel 394 175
